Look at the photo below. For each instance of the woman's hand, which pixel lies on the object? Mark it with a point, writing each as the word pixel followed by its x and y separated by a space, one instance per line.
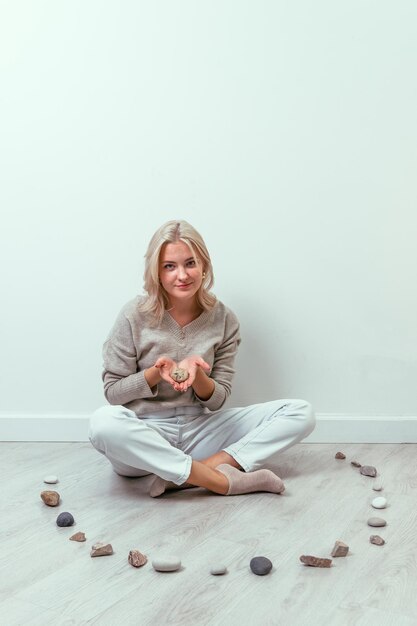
pixel 191 364
pixel 165 365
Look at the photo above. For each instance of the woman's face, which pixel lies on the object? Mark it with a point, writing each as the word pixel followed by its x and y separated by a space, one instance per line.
pixel 179 274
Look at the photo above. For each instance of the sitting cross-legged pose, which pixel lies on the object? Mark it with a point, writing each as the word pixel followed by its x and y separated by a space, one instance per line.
pixel 168 370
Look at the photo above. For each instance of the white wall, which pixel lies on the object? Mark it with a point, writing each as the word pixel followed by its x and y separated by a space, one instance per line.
pixel 285 132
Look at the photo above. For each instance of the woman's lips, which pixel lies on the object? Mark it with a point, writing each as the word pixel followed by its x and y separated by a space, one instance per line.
pixel 182 286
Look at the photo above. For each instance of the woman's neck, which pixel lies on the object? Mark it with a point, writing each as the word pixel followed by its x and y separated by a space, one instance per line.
pixel 184 310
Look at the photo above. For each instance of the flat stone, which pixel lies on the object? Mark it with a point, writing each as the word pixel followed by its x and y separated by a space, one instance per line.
pixel 218 569
pixel 368 470
pixel 65 519
pixel 315 561
pixel 101 549
pixel 377 540
pixel 376 521
pixel 136 558
pixel 260 565
pixel 166 563
pixel 339 455
pixel 78 537
pixel 355 464
pixel 50 479
pixel 179 374
pixel 377 486
pixel 51 498
pixel 379 503
pixel 340 549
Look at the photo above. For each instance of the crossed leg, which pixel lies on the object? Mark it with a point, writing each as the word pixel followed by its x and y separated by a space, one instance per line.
pixel 221 474
pixel 203 474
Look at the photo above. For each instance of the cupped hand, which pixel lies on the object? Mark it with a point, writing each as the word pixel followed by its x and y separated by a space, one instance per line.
pixel 191 364
pixel 165 365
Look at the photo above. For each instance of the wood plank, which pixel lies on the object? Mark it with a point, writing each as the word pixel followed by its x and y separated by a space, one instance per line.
pixel 54 580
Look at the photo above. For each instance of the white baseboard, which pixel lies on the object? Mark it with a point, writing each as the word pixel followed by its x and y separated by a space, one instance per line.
pixel 339 428
pixel 363 429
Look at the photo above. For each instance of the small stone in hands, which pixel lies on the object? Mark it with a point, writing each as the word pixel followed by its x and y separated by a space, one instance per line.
pixel 179 374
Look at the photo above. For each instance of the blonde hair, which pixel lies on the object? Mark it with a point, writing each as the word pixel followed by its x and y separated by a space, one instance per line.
pixel 172 232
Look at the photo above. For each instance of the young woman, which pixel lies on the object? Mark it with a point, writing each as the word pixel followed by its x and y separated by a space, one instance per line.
pixel 174 429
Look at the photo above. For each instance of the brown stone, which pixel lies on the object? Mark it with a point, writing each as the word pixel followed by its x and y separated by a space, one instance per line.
pixel 136 558
pixel 368 470
pixel 78 537
pixel 339 455
pixel 51 498
pixel 377 540
pixel 340 549
pixel 315 561
pixel 355 464
pixel 179 374
pixel 101 549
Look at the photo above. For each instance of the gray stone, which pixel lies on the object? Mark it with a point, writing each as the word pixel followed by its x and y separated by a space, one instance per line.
pixel 368 470
pixel 379 503
pixel 260 565
pixel 377 540
pixel 65 519
pixel 166 563
pixel 101 549
pixel 339 455
pixel 51 498
pixel 136 558
pixel 355 464
pixel 179 374
pixel 50 479
pixel 376 521
pixel 217 569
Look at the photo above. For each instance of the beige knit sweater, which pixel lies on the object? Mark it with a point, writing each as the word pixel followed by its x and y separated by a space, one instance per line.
pixel 133 345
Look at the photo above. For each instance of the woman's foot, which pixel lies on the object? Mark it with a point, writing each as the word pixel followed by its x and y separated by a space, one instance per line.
pixel 249 482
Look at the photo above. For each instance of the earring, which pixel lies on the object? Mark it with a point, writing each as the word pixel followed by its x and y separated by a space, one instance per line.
pixel 204 274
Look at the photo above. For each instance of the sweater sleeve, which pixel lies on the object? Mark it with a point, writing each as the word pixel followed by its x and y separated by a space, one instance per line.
pixel 223 371
pixel 122 380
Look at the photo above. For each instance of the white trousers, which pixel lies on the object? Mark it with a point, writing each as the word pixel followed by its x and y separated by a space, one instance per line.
pixel 165 443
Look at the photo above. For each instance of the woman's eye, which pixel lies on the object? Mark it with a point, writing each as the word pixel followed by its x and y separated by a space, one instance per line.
pixel 192 263
pixel 168 266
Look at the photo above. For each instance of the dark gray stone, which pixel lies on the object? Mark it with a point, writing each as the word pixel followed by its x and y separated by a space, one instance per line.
pixel 260 565
pixel 65 519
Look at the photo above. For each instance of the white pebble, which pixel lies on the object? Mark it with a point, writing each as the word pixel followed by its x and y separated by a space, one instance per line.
pixel 379 503
pixel 377 486
pixel 217 569
pixel 51 480
pixel 166 563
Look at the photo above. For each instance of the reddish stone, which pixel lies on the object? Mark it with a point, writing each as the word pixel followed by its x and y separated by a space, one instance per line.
pixel 315 561
pixel 78 537
pixel 340 549
pixel 368 470
pixel 51 498
pixel 136 558
pixel 377 540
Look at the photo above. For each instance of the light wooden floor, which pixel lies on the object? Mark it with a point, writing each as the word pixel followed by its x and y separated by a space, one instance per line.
pixel 47 579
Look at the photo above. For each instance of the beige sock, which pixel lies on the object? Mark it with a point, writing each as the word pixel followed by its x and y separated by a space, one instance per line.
pixel 159 486
pixel 248 482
